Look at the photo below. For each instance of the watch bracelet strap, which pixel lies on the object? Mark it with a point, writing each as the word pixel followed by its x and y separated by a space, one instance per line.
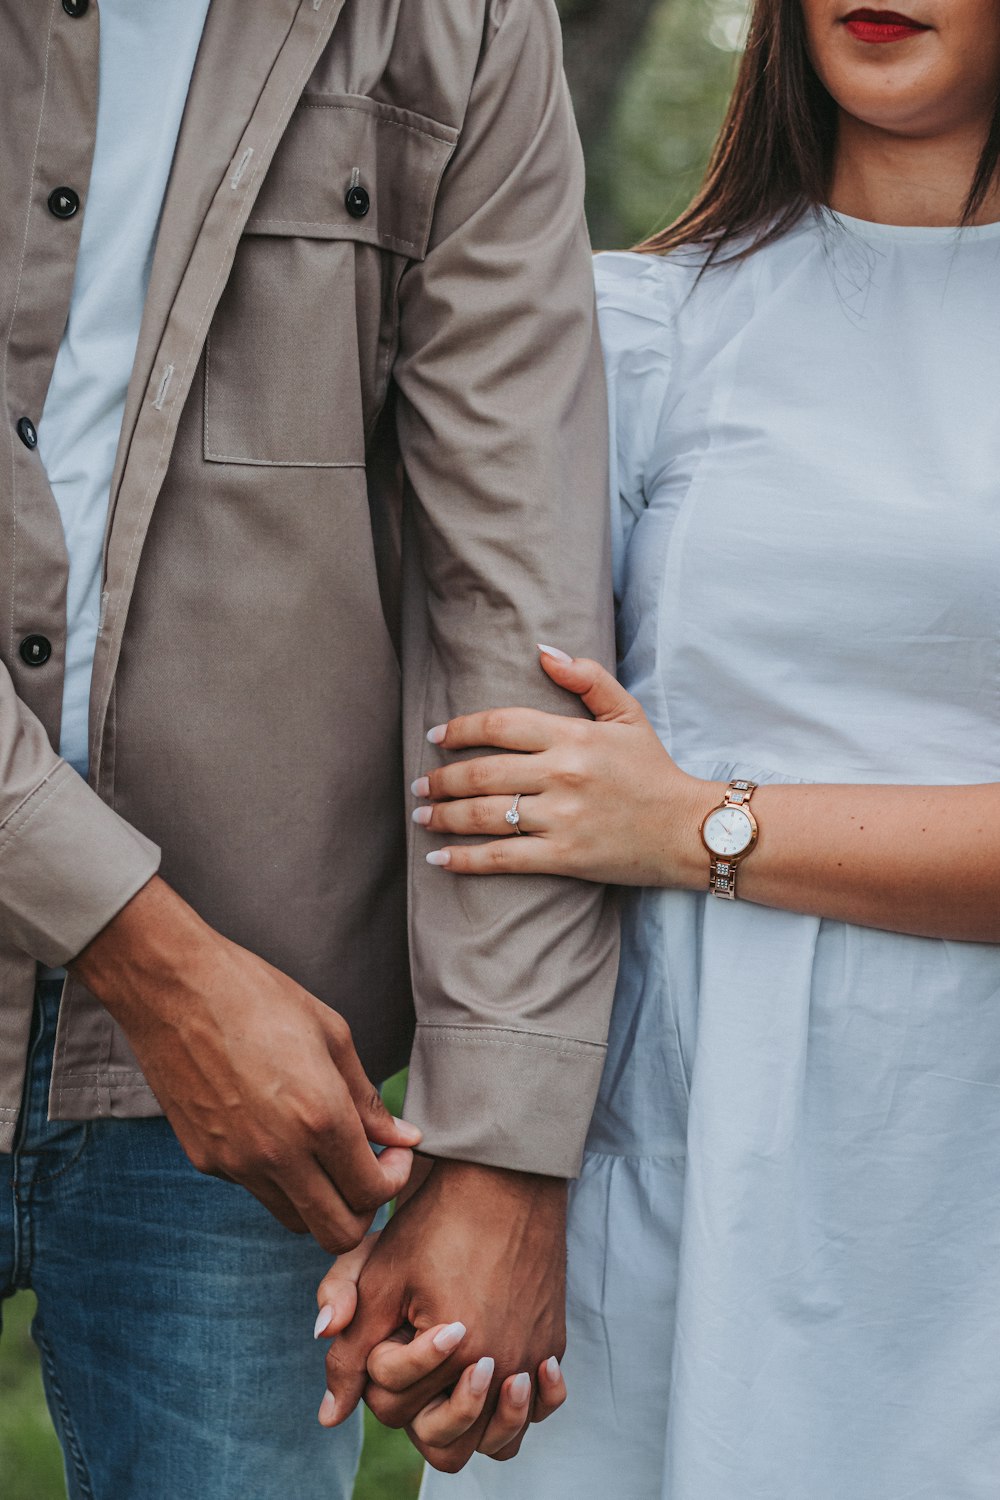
pixel 722 872
pixel 722 879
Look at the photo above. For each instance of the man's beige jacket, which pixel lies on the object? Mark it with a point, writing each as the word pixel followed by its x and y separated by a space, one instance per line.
pixel 362 472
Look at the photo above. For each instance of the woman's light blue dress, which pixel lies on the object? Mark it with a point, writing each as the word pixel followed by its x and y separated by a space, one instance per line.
pixel 785 1245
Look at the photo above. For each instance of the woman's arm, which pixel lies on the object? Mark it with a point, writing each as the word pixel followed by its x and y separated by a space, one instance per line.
pixel 603 801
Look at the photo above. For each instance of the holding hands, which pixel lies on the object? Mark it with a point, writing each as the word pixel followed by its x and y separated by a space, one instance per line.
pixel 488 1242
pixel 603 801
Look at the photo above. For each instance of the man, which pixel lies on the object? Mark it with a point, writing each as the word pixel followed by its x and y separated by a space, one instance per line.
pixel 296 303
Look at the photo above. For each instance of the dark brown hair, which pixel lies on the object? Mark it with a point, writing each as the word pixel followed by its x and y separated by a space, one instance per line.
pixel 773 159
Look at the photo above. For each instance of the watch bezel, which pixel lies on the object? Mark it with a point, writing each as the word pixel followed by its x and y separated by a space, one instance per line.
pixel 724 806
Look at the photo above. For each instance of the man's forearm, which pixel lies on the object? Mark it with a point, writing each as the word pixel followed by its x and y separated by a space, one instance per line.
pixel 259 1079
pixel 156 939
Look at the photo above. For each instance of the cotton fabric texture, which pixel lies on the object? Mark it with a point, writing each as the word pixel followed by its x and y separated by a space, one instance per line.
pixel 146 57
pixel 361 472
pixel 784 1279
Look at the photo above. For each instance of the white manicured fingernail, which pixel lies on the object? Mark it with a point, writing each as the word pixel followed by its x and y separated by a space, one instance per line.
pixel 327 1407
pixel 481 1376
pixel 449 1338
pixel 422 815
pixel 439 857
pixel 552 1369
pixel 520 1389
pixel 323 1321
pixel 437 734
pixel 421 787
pixel 555 654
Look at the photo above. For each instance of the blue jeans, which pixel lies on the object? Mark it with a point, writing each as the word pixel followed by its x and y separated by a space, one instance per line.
pixel 174 1314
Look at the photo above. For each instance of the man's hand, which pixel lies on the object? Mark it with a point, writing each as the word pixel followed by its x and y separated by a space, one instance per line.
pixel 259 1079
pixel 475 1243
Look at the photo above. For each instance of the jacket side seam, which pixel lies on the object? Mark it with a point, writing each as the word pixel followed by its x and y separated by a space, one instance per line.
pixel 115 1075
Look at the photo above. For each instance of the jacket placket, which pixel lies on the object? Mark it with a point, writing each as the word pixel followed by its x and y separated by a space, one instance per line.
pixel 248 79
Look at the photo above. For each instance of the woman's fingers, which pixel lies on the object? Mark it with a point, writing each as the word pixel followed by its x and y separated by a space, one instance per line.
pixel 504 1435
pixel 482 815
pixel 511 1416
pixel 602 693
pixel 550 1392
pixel 338 1291
pixel 486 776
pixel 499 728
pixel 398 1364
pixel 527 856
pixel 449 1417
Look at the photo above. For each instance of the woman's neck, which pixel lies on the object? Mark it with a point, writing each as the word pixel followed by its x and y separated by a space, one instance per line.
pixel 897 179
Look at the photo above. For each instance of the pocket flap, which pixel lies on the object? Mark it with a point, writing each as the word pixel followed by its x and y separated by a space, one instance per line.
pixel 396 157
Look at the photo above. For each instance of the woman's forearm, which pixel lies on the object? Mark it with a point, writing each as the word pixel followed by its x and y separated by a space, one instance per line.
pixel 915 859
pixel 604 801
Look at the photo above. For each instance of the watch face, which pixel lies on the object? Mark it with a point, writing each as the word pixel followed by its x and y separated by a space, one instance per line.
pixel 728 831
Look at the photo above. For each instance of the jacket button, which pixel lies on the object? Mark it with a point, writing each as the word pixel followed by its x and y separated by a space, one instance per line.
pixel 76 8
pixel 35 650
pixel 26 432
pixel 357 201
pixel 63 202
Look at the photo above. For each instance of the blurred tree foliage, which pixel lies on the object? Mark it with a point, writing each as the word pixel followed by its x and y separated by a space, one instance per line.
pixel 650 81
pixel 599 40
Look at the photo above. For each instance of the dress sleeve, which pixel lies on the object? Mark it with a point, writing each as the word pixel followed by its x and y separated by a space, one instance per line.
pixel 637 300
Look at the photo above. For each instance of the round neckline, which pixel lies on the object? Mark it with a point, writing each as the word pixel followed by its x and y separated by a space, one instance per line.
pixel 930 234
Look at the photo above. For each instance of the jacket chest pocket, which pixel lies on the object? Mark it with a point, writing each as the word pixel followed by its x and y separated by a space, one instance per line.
pixel 298 354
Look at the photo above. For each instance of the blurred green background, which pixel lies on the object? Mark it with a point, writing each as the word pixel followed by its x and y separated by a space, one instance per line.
pixel 650 80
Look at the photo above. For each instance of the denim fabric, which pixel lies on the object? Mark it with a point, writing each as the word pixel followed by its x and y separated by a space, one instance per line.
pixel 174 1314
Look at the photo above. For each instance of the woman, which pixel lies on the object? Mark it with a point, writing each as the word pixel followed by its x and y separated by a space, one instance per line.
pixel 785 1245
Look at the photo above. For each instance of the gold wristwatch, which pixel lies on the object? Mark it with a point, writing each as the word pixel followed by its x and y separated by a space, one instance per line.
pixel 729 833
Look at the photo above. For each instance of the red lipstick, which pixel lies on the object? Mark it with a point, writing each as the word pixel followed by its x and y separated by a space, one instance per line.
pixel 882 26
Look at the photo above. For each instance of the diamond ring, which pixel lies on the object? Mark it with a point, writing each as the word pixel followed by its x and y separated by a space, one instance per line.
pixel 512 815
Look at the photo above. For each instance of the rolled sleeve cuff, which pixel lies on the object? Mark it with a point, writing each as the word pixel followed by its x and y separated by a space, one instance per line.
pixel 68 864
pixel 504 1098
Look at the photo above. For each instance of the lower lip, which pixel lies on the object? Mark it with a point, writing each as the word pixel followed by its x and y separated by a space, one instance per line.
pixel 874 31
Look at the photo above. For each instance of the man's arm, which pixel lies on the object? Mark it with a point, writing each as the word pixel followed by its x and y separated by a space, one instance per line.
pixel 259 1079
pixel 68 863
pixel 503 430
pixel 503 427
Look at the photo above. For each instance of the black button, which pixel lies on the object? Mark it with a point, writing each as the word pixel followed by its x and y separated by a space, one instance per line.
pixel 35 650
pixel 357 201
pixel 63 202
pixel 26 432
pixel 76 8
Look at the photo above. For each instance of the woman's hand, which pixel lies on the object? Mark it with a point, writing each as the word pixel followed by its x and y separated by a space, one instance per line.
pixel 603 801
pixel 599 800
pixel 406 1363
